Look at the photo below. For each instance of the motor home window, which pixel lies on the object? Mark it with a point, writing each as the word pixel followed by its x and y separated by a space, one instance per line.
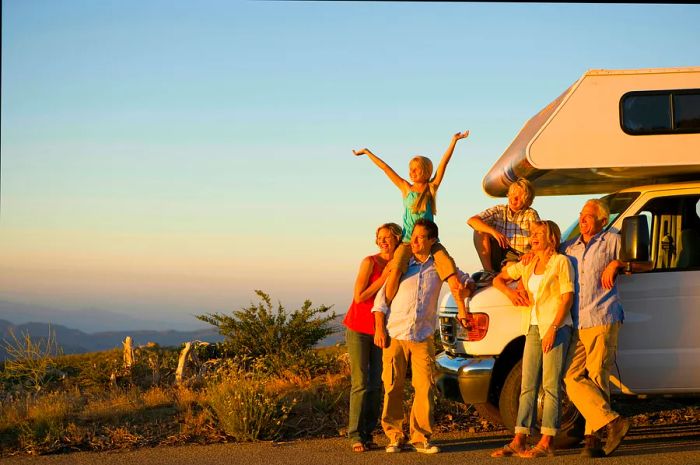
pixel 675 232
pixel 687 111
pixel 660 112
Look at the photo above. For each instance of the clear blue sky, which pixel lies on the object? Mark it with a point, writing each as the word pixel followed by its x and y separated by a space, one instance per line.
pixel 165 158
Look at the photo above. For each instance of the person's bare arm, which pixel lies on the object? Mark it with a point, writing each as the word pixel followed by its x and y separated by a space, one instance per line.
pixel 440 172
pixel 480 225
pixel 380 336
pixel 518 297
pixel 363 291
pixel 398 181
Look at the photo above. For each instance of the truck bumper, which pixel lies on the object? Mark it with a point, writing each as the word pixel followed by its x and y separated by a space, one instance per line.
pixel 464 379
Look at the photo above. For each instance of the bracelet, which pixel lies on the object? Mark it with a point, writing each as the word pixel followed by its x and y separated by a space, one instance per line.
pixel 554 326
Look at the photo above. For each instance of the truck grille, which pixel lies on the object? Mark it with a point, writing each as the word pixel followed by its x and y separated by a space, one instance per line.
pixel 447 329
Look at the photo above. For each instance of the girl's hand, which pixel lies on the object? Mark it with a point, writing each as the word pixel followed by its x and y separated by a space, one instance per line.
pixel 361 152
pixel 548 339
pixel 464 319
pixel 460 135
pixel 519 297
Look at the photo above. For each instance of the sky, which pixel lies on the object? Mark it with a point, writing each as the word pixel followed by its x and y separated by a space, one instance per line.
pixel 162 159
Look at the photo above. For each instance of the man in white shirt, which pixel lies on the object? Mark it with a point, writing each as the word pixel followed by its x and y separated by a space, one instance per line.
pixel 405 332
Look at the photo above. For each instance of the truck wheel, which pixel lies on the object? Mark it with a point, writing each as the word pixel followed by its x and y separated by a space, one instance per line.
pixel 572 422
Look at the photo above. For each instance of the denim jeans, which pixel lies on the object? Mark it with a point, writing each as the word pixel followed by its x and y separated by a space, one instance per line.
pixel 546 370
pixel 366 385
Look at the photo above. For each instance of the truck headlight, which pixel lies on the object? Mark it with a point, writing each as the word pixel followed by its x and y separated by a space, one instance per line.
pixel 479 326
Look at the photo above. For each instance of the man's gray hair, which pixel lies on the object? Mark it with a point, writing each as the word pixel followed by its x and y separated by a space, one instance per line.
pixel 602 207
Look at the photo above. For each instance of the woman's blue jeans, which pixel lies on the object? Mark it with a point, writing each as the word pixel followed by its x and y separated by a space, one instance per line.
pixel 366 385
pixel 546 370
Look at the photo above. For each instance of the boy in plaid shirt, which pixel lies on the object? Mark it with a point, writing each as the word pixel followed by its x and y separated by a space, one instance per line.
pixel 502 233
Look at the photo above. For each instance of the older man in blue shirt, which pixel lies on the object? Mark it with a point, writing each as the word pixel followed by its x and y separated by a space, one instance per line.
pixel 405 332
pixel 597 315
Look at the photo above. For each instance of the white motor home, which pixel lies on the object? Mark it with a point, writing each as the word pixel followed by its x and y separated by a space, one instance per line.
pixel 635 136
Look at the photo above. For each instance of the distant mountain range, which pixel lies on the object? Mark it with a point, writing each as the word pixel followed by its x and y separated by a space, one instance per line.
pixel 74 341
pixel 30 319
pixel 91 320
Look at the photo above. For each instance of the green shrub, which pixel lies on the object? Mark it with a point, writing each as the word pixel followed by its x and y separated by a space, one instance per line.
pixel 259 332
pixel 246 410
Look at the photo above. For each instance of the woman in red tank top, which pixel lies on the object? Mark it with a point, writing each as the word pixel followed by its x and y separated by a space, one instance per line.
pixel 365 357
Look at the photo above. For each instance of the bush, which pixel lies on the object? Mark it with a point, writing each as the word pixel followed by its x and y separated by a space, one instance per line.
pixel 246 410
pixel 30 363
pixel 258 331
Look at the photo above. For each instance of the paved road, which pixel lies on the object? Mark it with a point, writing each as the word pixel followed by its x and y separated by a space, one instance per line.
pixel 660 445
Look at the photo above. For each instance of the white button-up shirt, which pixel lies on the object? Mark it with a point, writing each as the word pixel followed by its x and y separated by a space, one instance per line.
pixel 413 312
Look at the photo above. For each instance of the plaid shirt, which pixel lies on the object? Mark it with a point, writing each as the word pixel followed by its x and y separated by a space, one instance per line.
pixel 514 225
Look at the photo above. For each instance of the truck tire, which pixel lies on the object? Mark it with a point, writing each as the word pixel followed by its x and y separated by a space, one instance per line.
pixel 572 422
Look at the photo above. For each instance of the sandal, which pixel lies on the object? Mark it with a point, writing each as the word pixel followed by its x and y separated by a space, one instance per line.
pixel 536 452
pixel 359 447
pixel 505 451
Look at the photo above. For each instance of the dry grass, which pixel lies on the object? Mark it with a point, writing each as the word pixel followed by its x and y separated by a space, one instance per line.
pixel 87 413
pixel 157 397
pixel 114 405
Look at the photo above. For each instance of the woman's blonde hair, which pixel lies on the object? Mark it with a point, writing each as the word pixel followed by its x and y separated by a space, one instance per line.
pixel 393 228
pixel 426 199
pixel 552 233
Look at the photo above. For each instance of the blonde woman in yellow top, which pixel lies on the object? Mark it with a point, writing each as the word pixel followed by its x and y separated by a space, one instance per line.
pixel 546 321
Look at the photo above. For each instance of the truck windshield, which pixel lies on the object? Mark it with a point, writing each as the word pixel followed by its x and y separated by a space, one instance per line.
pixel 618 203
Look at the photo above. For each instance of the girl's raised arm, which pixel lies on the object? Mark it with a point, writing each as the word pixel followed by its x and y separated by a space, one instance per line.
pixel 398 181
pixel 440 173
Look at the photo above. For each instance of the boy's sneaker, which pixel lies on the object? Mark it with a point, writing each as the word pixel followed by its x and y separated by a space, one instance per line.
pixel 394 447
pixel 425 448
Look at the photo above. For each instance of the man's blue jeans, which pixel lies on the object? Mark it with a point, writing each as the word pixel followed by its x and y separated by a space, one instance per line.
pixel 546 370
pixel 366 389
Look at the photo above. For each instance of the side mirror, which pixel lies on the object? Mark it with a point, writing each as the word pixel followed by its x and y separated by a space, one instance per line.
pixel 635 239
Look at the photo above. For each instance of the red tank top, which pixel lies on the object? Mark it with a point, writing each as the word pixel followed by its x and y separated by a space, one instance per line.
pixel 359 317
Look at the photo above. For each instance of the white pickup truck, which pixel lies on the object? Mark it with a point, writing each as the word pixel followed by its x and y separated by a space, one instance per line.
pixel 635 133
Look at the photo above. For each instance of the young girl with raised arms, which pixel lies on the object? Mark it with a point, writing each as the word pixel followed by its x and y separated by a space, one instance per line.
pixel 419 202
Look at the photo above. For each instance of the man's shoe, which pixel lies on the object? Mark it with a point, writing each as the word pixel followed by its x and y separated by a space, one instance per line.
pixel 395 447
pixel 592 447
pixel 425 448
pixel 617 429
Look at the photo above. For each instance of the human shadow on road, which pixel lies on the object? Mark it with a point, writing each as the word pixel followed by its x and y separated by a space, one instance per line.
pixel 642 440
